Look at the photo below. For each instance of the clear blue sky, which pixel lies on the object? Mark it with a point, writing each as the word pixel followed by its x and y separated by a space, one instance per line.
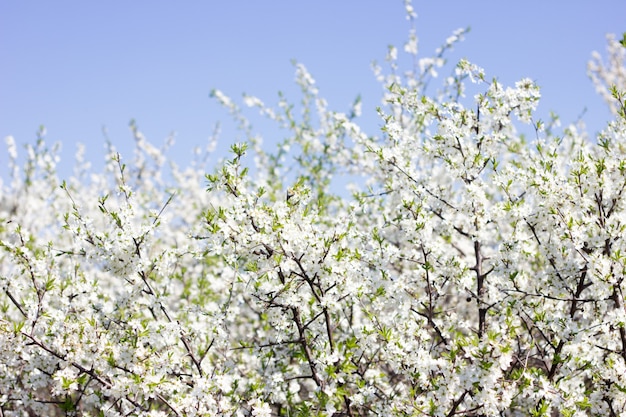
pixel 76 66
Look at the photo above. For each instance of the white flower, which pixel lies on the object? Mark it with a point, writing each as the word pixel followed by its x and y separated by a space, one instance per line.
pixel 261 409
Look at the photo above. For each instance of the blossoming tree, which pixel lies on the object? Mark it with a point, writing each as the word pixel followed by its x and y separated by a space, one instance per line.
pixel 472 269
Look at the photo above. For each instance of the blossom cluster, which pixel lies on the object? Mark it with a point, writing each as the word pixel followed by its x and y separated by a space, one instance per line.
pixel 470 268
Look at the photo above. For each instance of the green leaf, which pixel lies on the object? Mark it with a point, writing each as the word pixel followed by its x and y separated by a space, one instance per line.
pixel 67 405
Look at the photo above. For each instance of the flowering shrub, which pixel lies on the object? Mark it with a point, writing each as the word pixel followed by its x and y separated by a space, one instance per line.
pixel 471 270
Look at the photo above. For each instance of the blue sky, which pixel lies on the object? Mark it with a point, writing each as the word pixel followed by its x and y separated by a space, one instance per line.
pixel 77 66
